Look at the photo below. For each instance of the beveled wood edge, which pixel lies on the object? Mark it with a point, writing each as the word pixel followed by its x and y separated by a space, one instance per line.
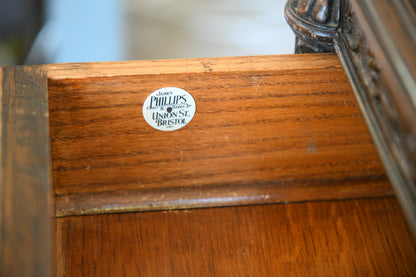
pixel 217 196
pixel 191 65
pixel 27 233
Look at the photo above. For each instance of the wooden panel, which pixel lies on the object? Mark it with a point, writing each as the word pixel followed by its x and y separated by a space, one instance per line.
pixel 267 129
pixel 338 238
pixel 26 207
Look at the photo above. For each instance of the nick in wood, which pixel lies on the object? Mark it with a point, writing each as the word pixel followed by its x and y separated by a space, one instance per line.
pixel 169 109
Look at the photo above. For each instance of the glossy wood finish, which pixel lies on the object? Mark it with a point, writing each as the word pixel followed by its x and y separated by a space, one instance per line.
pixel 331 238
pixel 267 129
pixel 26 207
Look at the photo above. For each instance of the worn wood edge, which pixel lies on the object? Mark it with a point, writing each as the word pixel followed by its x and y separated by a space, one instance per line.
pixel 197 65
pixel 26 199
pixel 218 196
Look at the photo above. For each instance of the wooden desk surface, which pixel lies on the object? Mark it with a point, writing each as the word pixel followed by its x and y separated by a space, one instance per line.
pixel 332 238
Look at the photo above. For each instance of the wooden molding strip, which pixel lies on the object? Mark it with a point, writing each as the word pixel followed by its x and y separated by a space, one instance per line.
pixel 183 66
pixel 171 198
pixel 27 244
pixel 376 42
pixel 267 129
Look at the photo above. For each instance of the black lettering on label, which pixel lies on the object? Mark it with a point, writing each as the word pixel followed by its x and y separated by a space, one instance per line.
pixel 169 109
pixel 160 101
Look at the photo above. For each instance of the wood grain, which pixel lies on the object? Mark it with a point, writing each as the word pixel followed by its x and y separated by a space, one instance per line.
pixel 267 129
pixel 26 208
pixel 331 238
pixel 183 66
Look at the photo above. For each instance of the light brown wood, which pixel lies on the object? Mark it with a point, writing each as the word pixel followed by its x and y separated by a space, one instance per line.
pixel 26 208
pixel 267 129
pixel 183 66
pixel 331 238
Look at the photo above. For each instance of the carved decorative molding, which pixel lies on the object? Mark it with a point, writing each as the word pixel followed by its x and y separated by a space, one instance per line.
pixel 380 83
pixel 376 42
pixel 314 23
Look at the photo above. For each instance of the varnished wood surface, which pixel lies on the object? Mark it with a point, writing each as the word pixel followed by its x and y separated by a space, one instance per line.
pixel 184 66
pixel 332 238
pixel 26 207
pixel 267 129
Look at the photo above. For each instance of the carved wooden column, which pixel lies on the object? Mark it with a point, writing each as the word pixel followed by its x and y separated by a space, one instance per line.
pixel 314 23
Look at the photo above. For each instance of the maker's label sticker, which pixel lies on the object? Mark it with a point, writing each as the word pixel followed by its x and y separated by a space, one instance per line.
pixel 169 109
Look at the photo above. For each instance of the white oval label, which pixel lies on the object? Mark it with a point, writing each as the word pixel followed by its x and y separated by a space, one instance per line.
pixel 169 109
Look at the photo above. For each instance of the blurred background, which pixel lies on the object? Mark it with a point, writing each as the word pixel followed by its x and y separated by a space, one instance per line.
pixel 57 31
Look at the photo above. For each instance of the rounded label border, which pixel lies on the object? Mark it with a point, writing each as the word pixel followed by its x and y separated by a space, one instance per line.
pixel 169 109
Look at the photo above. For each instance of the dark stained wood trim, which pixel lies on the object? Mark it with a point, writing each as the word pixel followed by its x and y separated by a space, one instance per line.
pixel 171 198
pixel 26 207
pixel 376 43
